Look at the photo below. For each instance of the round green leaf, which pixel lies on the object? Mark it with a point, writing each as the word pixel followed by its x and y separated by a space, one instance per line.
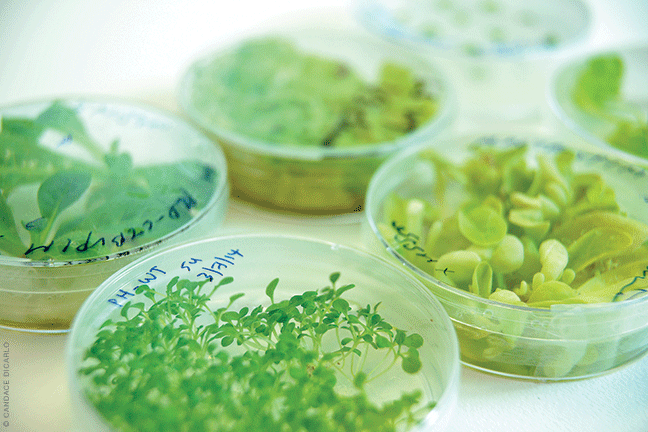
pixel 414 340
pixel 482 225
pixel 411 364
pixel 341 305
pixel 382 342
pixel 508 256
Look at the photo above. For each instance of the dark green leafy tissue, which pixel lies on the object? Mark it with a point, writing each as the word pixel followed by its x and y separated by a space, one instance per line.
pixel 90 206
pixel 271 90
pixel 295 365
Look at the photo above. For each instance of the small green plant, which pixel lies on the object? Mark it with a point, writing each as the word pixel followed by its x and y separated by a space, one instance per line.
pixel 299 364
pixel 598 93
pixel 57 206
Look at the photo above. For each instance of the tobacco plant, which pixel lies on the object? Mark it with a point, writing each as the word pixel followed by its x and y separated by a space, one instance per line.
pixel 58 204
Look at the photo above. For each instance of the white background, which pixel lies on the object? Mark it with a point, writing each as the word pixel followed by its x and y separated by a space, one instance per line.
pixel 138 50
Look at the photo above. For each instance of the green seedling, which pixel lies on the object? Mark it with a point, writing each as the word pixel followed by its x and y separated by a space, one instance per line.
pixel 175 362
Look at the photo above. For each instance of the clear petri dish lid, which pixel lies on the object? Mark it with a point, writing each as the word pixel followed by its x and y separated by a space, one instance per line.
pixel 602 97
pixel 206 80
pixel 417 209
pixel 86 180
pixel 497 29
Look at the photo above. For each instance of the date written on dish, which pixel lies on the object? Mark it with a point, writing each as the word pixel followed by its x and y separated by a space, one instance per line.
pixel 175 211
pixel 199 268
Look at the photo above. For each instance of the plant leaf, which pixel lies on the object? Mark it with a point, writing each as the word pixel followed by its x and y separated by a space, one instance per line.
pixel 22 127
pixel 60 191
pixel 414 340
pixel 382 342
pixel 9 238
pixel 334 277
pixel 270 289
pixel 481 225
pixel 64 119
pixel 411 364
pixel 23 160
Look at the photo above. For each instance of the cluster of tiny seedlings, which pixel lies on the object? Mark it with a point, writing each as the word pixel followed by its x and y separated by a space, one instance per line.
pixel 299 364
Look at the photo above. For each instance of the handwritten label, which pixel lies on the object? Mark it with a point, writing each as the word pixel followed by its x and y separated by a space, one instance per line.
pixel 128 235
pixel 411 242
pixel 638 291
pixel 192 267
pixel 209 271
pixel 66 140
pixel 122 116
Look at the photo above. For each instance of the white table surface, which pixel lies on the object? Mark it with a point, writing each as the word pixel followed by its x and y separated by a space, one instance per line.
pixel 138 50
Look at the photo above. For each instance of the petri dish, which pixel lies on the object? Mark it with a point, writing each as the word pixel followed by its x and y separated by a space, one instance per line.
pixel 87 186
pixel 304 128
pixel 530 291
pixel 348 332
pixel 498 53
pixel 601 96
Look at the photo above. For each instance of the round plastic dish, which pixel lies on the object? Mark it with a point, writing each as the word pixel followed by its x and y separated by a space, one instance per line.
pixel 88 186
pixel 629 105
pixel 497 52
pixel 301 265
pixel 309 178
pixel 559 342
